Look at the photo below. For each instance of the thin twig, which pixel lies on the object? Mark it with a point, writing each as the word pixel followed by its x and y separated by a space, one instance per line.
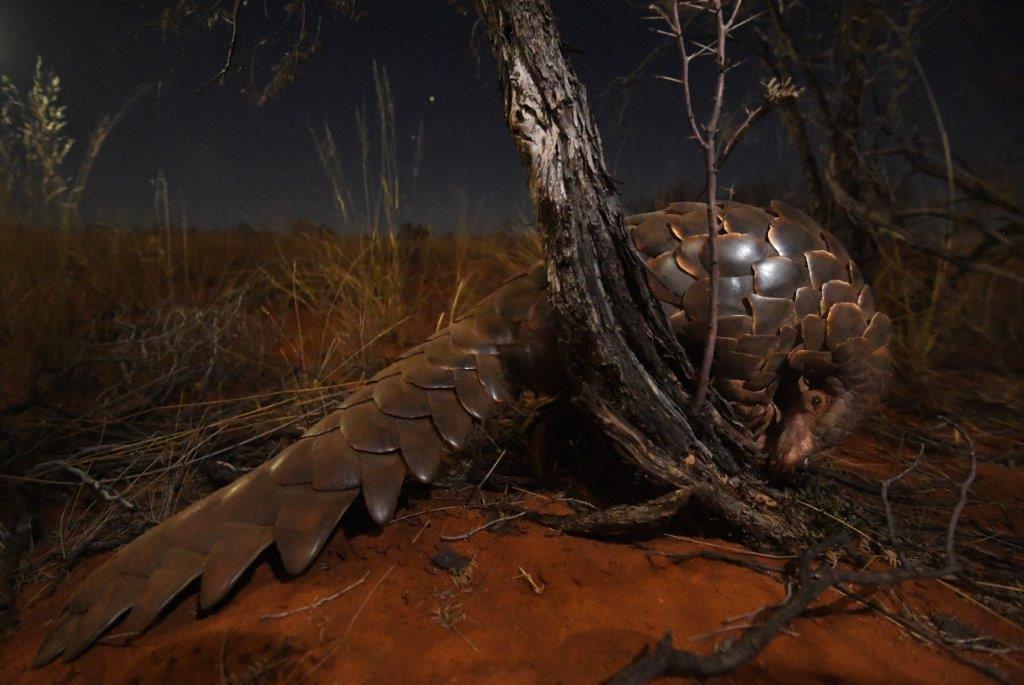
pixel 964 487
pixel 497 461
pixel 888 507
pixel 316 603
pixel 706 135
pixel 104 491
pixel 947 155
pixel 749 552
pixel 679 557
pixel 471 533
pixel 366 600
pixel 229 60
pixel 426 511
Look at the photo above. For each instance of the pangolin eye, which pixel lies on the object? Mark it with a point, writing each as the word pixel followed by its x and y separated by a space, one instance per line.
pixel 815 401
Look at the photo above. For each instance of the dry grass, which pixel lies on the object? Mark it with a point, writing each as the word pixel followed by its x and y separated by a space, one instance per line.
pixel 138 369
pixel 961 357
pixel 140 389
pixel 142 369
pixel 976 322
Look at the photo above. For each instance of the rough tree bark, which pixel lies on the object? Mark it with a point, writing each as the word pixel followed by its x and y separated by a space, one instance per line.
pixel 630 373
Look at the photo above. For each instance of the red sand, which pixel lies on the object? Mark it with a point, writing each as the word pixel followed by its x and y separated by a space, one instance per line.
pixel 601 604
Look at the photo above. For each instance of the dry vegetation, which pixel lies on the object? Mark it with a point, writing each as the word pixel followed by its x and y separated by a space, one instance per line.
pixel 118 368
pixel 130 389
pixel 960 356
pixel 140 369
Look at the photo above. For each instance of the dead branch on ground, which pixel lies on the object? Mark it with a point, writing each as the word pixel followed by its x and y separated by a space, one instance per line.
pixel 811 582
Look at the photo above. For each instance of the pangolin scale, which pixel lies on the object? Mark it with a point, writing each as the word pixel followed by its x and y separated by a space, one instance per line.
pixel 801 354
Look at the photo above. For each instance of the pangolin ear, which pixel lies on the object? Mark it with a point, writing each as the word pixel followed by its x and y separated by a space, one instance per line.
pixel 803 384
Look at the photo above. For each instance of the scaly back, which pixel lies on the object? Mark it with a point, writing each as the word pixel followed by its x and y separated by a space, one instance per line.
pixel 790 299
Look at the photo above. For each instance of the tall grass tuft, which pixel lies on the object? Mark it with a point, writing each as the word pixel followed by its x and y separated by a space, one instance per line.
pixel 37 181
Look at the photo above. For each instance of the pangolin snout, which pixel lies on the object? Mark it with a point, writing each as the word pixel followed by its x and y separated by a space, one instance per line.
pixel 795 444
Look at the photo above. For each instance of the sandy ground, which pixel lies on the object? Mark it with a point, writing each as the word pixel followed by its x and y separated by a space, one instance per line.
pixel 595 607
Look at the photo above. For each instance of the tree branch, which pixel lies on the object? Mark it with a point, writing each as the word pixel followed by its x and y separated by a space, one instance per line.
pixel 629 371
pixel 812 582
pixel 229 60
pixel 884 224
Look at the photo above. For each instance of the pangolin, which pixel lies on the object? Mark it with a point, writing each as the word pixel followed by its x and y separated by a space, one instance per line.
pixel 802 355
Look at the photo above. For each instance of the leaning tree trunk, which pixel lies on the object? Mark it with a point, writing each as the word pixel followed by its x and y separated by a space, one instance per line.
pixel 630 373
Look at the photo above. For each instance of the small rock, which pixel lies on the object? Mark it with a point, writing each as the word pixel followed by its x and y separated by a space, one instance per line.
pixel 450 560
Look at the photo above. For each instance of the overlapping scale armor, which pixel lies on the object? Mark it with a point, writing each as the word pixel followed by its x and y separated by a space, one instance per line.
pixel 790 299
pixel 788 295
pixel 400 423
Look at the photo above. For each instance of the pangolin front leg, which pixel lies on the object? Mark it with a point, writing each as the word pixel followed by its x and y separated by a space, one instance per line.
pixel 399 423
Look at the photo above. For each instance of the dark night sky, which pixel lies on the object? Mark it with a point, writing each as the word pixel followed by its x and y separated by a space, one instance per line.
pixel 227 161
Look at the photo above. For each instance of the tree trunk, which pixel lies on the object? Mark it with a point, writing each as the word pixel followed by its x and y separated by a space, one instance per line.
pixel 630 373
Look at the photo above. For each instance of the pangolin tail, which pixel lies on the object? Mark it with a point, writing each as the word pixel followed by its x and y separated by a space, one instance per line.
pixel 399 423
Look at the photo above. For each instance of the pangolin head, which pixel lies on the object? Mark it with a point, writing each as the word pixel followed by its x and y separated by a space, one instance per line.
pixel 836 385
pixel 817 416
pixel 802 354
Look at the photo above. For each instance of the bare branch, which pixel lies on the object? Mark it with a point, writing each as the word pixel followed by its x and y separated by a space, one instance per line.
pixel 884 224
pixel 947 154
pixel 776 91
pixel 888 506
pixel 706 135
pixel 965 486
pixel 102 490
pixel 812 582
pixel 470 533
pixel 317 603
pixel 229 59
pixel 965 181
pixel 753 116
